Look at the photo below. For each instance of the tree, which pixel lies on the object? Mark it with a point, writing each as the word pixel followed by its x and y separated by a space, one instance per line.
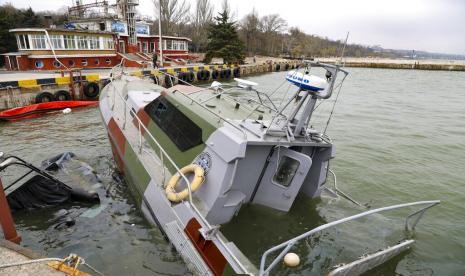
pixel 174 13
pixel 203 17
pixel 250 27
pixel 223 40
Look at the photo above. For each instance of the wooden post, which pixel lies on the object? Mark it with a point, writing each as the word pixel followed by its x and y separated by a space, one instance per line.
pixel 6 219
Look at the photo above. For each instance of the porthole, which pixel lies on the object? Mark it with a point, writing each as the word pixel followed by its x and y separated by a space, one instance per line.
pixel 96 61
pixel 39 64
pixel 71 63
pixel 56 64
pixel 108 61
pixel 84 62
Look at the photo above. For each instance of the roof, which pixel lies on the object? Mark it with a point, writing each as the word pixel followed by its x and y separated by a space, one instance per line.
pixel 57 30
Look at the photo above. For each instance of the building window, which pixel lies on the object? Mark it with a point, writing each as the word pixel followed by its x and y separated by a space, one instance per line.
pixel 152 47
pixel 84 62
pixel 145 47
pixel 38 41
pixel 57 41
pixel 179 45
pixel 96 61
pixel 56 64
pixel 70 42
pixel 108 43
pixel 183 132
pixel 71 63
pixel 94 42
pixel 82 42
pixel 108 61
pixel 23 42
pixel 39 64
pixel 168 45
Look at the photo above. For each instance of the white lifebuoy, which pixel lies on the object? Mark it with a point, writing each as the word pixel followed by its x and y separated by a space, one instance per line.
pixel 199 176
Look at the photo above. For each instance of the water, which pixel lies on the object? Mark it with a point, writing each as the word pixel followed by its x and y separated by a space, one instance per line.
pixel 400 137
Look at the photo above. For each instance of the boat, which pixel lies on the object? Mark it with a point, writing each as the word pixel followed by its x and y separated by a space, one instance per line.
pixel 35 110
pixel 196 158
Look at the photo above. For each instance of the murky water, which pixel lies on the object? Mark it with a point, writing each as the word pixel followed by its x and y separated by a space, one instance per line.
pixel 400 137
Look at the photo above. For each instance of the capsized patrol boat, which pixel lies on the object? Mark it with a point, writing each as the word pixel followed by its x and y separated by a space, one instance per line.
pixel 197 157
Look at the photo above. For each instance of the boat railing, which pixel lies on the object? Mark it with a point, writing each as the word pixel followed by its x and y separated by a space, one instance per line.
pixel 287 245
pixel 163 155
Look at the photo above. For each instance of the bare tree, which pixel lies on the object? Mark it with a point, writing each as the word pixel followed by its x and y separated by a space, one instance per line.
pixel 250 27
pixel 203 16
pixel 271 26
pixel 173 14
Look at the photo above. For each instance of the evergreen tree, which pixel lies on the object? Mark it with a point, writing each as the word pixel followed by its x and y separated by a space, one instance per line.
pixel 223 41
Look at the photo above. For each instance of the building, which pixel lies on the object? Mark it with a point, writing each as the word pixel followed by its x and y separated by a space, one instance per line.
pixel 94 38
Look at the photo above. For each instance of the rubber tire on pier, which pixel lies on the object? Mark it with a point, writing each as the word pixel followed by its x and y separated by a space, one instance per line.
pixel 62 95
pixel 278 67
pixel 228 73
pixel 215 74
pixel 237 72
pixel 91 90
pixel 169 81
pixel 286 67
pixel 155 80
pixel 203 75
pixel 190 77
pixel 44 97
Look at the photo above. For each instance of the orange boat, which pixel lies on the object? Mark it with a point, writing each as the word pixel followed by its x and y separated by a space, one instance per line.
pixel 35 110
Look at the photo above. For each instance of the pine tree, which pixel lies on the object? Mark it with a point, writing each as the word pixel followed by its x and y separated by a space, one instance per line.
pixel 223 41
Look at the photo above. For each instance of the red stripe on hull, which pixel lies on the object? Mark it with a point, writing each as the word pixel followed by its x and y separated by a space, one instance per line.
pixel 118 143
pixel 144 118
pixel 207 249
pixel 119 161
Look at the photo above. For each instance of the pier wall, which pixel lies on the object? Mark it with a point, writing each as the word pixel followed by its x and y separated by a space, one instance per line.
pixel 21 92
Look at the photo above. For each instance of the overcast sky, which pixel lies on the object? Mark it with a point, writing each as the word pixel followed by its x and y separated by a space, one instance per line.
pixel 430 25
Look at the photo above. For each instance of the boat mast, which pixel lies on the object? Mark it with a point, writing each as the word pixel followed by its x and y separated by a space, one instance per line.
pixel 160 42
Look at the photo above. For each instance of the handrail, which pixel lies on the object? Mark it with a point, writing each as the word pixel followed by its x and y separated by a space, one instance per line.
pixel 191 203
pixel 288 244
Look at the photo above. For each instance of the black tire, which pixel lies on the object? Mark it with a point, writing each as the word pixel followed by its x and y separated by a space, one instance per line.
pixel 104 82
pixel 62 95
pixel 169 81
pixel 215 74
pixel 91 90
pixel 44 97
pixel 206 75
pixel 227 74
pixel 292 67
pixel 155 79
pixel 200 75
pixel 286 67
pixel 236 72
pixel 190 77
pixel 223 74
pixel 278 67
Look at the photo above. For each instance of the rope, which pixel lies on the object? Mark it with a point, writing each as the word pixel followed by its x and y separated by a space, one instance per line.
pixel 72 260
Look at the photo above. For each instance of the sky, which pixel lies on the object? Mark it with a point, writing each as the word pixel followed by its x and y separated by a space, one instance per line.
pixel 429 25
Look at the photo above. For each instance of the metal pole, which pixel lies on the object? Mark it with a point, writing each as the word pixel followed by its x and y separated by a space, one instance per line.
pixel 160 42
pixel 6 219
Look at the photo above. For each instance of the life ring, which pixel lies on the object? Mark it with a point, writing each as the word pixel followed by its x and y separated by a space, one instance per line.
pixel 62 95
pixel 190 77
pixel 44 97
pixel 237 72
pixel 91 89
pixel 199 177
pixel 215 74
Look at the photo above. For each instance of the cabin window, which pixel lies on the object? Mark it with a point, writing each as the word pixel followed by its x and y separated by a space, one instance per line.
pixel 179 45
pixel 181 130
pixel 56 64
pixel 168 44
pixel 152 47
pixel 286 171
pixel 82 42
pixel 96 61
pixel 108 43
pixel 39 64
pixel 38 41
pixel 70 42
pixel 108 61
pixel 71 63
pixel 23 42
pixel 94 42
pixel 57 41
pixel 84 62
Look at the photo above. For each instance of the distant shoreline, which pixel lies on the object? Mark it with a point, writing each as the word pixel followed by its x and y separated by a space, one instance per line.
pixel 419 64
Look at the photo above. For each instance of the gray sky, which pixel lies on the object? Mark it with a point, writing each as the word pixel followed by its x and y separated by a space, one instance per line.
pixel 430 25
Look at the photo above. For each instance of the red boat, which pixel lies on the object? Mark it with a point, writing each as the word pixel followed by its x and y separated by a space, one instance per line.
pixel 35 110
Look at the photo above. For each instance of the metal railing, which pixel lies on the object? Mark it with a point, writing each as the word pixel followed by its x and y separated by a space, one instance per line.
pixel 288 244
pixel 165 156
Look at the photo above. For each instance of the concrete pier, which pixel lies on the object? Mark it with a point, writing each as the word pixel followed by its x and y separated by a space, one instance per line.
pixel 418 64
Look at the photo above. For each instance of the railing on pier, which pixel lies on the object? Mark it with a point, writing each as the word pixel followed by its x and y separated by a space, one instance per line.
pixel 264 271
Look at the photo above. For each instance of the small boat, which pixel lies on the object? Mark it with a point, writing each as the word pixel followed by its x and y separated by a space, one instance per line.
pixel 35 110
pixel 197 158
